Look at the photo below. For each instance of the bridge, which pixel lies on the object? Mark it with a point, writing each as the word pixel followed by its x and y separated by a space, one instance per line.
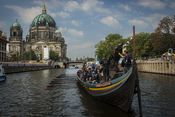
pixel 74 64
pixel 67 64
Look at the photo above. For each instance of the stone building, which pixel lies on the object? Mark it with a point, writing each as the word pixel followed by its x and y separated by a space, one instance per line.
pixel 43 38
pixel 3 43
pixel 15 41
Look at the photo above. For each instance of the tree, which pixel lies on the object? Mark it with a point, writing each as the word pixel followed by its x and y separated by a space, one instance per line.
pixel 53 55
pixel 164 35
pixel 104 48
pixel 30 55
pixel 33 55
pixel 166 25
pixel 143 45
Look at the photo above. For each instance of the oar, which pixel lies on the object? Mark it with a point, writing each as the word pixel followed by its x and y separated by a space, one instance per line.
pixel 138 92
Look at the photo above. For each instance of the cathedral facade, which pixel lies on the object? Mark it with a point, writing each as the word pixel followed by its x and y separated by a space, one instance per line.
pixel 43 38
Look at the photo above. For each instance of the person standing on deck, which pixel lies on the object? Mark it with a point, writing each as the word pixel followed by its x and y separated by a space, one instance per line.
pixel 126 63
pixel 114 60
pixel 106 69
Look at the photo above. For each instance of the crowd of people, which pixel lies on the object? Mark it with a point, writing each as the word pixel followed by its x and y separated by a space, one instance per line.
pixel 96 73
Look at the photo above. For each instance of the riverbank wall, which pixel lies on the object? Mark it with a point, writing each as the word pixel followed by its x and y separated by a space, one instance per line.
pixel 156 66
pixel 16 68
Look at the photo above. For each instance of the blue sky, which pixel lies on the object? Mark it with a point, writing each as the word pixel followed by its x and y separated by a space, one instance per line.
pixel 86 22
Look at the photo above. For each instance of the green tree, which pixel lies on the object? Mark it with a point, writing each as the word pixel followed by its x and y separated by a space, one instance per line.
pixel 163 37
pixel 166 25
pixel 104 48
pixel 15 56
pixel 53 55
pixel 143 45
pixel 33 55
pixel 30 55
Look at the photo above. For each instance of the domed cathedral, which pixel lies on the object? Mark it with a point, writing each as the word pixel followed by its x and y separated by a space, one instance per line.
pixel 44 38
pixel 15 40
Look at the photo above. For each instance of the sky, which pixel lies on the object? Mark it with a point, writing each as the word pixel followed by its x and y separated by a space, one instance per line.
pixel 84 23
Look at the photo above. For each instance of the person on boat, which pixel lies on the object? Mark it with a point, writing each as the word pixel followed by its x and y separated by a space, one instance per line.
pixel 105 63
pixel 126 63
pixel 95 74
pixel 115 57
pixel 99 70
pixel 84 73
pixel 89 74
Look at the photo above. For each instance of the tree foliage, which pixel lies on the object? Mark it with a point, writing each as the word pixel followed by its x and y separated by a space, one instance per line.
pixel 104 48
pixel 164 36
pixel 15 57
pixel 53 55
pixel 146 44
pixel 30 55
pixel 143 45
pixel 166 25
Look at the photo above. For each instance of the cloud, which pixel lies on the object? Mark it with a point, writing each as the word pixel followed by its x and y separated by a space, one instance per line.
pixel 75 23
pixel 86 6
pixel 76 33
pixel 72 32
pixel 154 4
pixel 25 14
pixel 125 7
pixel 110 21
pixel 63 14
pixel 72 5
pixel 150 20
pixel 154 19
pixel 89 5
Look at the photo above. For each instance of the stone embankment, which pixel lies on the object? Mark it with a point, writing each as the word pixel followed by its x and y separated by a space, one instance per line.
pixel 20 67
pixel 156 66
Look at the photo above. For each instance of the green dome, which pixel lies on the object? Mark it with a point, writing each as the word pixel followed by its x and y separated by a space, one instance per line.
pixel 16 24
pixel 43 20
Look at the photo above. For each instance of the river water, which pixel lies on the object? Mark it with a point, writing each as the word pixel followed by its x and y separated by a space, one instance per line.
pixel 43 94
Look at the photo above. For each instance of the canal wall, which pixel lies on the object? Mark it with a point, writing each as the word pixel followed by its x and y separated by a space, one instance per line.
pixel 156 66
pixel 15 68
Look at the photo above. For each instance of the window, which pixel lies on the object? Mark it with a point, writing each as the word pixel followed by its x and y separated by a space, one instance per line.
pixel 14 33
pixel 42 35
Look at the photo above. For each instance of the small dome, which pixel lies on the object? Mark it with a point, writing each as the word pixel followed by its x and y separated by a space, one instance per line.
pixel 58 33
pixel 16 24
pixel 43 20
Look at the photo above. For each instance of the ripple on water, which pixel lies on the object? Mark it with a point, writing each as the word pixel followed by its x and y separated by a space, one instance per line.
pixel 25 95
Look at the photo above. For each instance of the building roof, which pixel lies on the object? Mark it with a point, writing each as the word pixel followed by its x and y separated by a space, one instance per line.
pixel 43 19
pixel 16 24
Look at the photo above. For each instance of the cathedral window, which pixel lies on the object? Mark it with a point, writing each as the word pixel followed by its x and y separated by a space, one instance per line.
pixel 51 35
pixel 39 35
pixel 14 33
pixel 33 35
pixel 42 35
